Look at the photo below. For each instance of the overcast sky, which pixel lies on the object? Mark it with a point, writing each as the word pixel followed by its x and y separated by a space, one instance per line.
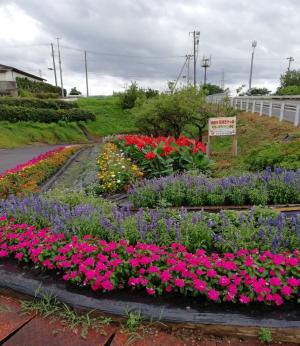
pixel 146 40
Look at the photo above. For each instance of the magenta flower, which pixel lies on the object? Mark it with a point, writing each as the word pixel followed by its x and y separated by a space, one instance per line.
pixel 165 276
pixel 150 291
pixel 275 281
pixel 179 283
pixel 213 294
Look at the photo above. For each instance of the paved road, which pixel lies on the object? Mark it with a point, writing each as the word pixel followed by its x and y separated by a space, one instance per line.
pixel 9 158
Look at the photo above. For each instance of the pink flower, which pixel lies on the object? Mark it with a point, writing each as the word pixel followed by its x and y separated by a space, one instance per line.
pixel 248 262
pixel 153 269
pixel 286 290
pixel 293 282
pixel 107 285
pixel 200 285
pixel 224 281
pixel 179 283
pixel 278 260
pixel 213 294
pixel 211 273
pixel 244 299
pixel 165 276
pixel 134 262
pixel 150 291
pixel 90 274
pixel 275 281
pixel 19 256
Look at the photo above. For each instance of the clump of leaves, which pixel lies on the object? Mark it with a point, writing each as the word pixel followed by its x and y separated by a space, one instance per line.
pixel 133 321
pixel 265 335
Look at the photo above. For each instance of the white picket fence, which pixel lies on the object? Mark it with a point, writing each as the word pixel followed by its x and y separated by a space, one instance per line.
pixel 285 108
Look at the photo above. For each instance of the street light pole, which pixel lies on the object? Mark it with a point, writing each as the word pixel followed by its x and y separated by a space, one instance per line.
pixel 254 44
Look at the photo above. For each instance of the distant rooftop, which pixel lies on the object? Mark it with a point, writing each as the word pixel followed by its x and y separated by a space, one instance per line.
pixel 5 67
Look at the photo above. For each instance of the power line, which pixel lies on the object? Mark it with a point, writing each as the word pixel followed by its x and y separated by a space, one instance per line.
pixel 180 73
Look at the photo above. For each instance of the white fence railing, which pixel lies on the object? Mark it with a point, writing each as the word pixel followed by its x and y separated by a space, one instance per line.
pixel 284 108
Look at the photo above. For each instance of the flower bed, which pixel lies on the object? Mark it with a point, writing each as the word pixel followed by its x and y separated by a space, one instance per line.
pixel 241 277
pixel 223 232
pixel 267 187
pixel 116 172
pixel 27 177
pixel 160 156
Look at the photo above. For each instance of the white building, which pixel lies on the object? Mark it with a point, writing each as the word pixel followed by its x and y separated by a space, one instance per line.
pixel 8 75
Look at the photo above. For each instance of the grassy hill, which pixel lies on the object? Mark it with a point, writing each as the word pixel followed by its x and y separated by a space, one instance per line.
pixel 110 118
pixel 254 132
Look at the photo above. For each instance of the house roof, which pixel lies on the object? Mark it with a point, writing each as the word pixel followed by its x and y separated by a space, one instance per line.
pixel 5 67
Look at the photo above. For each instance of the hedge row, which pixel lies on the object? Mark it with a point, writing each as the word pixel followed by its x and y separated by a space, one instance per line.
pixel 37 87
pixel 37 103
pixel 15 114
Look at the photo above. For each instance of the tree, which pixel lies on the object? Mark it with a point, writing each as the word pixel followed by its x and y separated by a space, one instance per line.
pixel 289 83
pixel 74 91
pixel 258 91
pixel 131 94
pixel 290 78
pixel 211 89
pixel 169 113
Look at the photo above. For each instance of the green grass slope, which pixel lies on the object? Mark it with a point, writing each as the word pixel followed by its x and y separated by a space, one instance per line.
pixel 110 117
pixel 14 135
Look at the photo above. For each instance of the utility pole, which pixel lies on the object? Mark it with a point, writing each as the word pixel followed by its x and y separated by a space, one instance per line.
pixel 86 74
pixel 196 35
pixel 60 69
pixel 223 80
pixel 290 59
pixel 188 69
pixel 206 62
pixel 54 67
pixel 254 44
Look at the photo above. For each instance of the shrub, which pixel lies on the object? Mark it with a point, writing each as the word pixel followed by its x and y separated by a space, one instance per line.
pixel 116 172
pixel 15 114
pixel 37 87
pixel 286 155
pixel 37 103
pixel 289 90
pixel 45 95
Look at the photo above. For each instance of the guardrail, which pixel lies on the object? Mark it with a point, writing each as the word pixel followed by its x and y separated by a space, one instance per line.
pixel 282 107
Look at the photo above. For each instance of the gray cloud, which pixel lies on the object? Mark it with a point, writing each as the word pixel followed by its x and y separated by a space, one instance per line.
pixel 132 31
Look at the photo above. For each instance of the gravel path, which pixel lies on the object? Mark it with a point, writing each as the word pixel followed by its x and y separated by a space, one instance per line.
pixel 82 172
pixel 9 158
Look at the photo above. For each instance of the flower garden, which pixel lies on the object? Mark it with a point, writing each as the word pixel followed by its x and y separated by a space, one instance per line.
pixel 236 257
pixel 27 177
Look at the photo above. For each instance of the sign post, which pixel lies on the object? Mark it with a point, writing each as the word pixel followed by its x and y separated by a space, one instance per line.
pixel 223 126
